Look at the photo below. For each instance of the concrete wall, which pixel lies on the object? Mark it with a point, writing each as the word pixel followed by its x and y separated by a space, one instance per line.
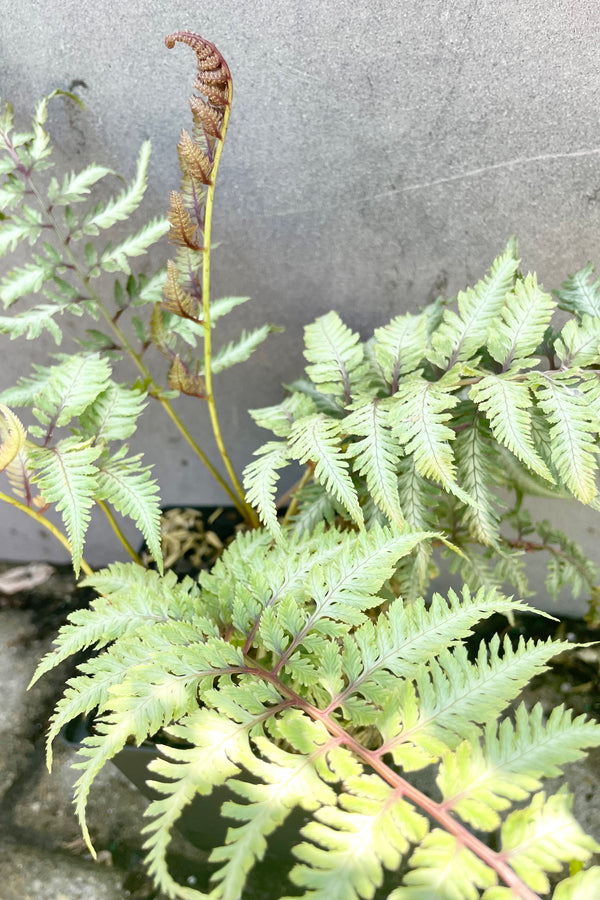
pixel 379 153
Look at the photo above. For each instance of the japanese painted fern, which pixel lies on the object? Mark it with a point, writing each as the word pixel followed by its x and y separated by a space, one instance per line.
pixel 305 670
pixel 447 419
pixel 291 674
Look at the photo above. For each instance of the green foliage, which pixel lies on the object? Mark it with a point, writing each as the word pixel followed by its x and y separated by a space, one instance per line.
pixel 74 472
pixel 467 407
pixel 287 675
pixel 311 667
pixel 73 271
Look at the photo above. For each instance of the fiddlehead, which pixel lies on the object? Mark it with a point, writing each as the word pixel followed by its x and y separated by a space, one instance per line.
pixel 187 292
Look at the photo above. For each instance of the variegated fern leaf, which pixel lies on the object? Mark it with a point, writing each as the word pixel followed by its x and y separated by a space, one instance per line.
pixel 72 471
pixel 288 676
pixel 454 415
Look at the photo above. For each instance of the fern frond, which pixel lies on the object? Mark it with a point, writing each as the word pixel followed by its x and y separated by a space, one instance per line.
pixel 371 827
pixel 12 189
pixel 420 502
pixel 150 288
pixel 315 505
pixel 223 306
pixel 507 404
pixel 460 335
pixel 280 418
pixel 578 343
pixel 400 346
pixel 317 438
pixel 574 428
pixel 444 869
pixel 113 414
pixel 418 414
pixel 118 209
pixel 579 295
pixel 287 780
pixel 477 462
pixel 453 695
pixel 25 280
pixel 217 744
pixel 517 334
pixel 239 351
pixel 128 486
pixel 260 481
pixel 542 838
pixel 76 186
pixel 13 230
pixel 149 699
pixel 71 387
pixel 408 636
pixel 66 476
pixel 344 587
pixel 26 389
pixel 116 259
pixel 568 566
pixel 480 782
pixel 376 456
pixel 32 322
pixel 130 597
pixel 334 353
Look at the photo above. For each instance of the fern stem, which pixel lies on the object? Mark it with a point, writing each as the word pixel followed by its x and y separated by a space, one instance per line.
pixel 117 530
pixel 435 810
pixel 47 524
pixel 248 512
pixel 165 403
pixel 236 496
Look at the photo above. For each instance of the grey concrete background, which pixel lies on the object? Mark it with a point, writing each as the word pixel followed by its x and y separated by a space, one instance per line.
pixel 379 153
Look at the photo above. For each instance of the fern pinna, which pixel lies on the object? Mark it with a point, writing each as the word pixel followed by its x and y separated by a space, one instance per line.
pixel 447 419
pixel 292 675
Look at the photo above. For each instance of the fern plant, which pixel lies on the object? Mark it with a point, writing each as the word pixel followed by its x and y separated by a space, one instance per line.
pixel 74 271
pixel 306 669
pixel 448 419
pixel 291 674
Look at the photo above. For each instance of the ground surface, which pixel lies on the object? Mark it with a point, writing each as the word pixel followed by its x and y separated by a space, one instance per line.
pixel 42 856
